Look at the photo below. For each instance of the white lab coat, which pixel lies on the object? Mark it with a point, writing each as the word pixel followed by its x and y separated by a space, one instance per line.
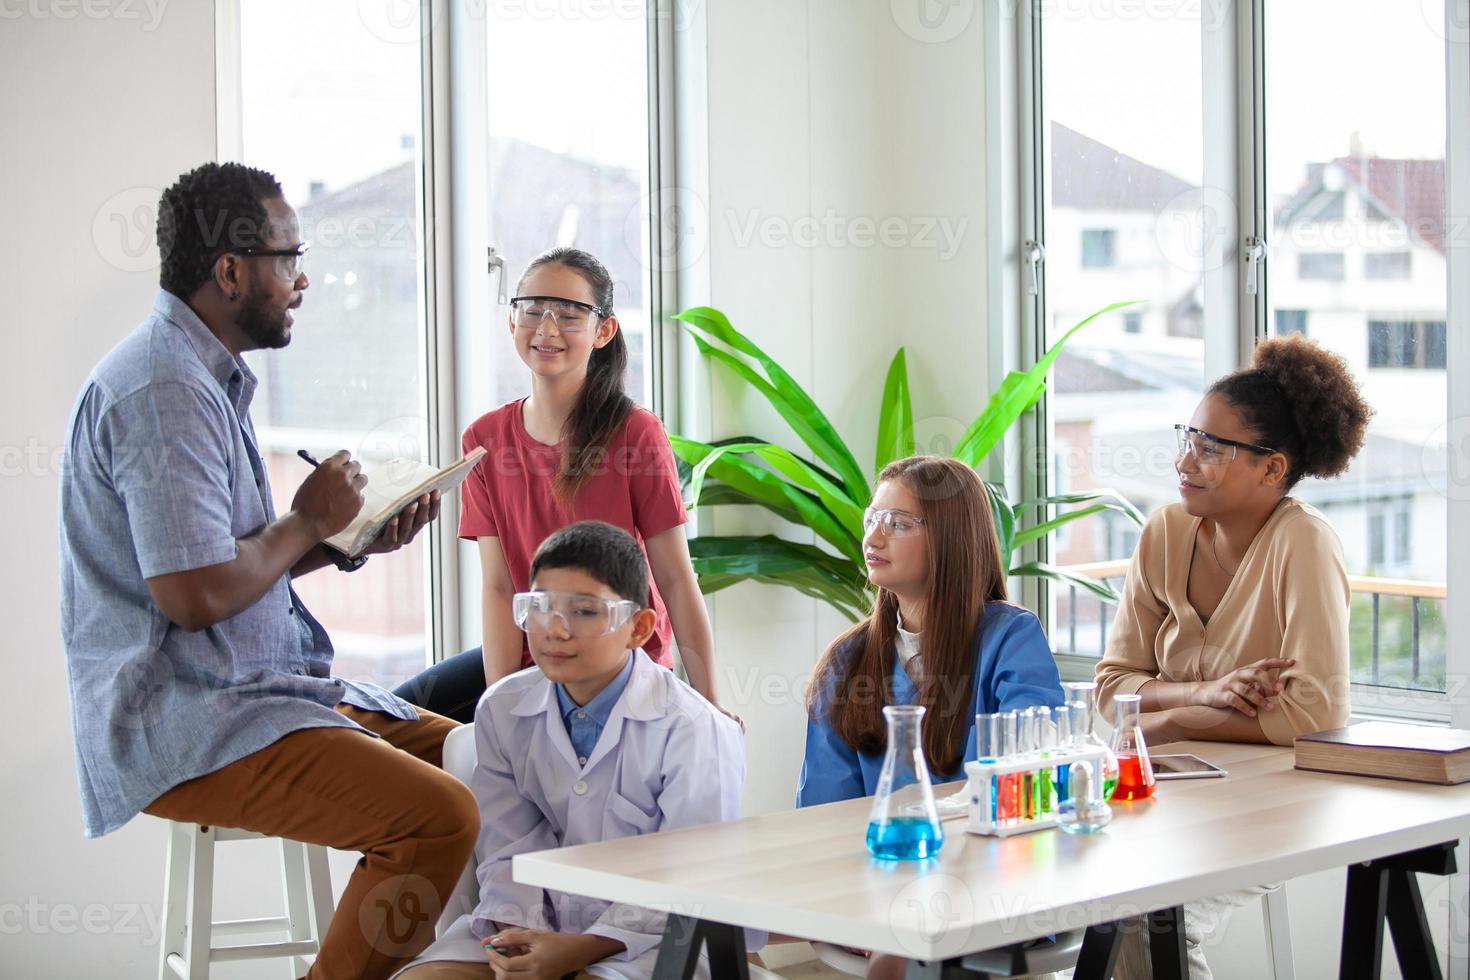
pixel 666 758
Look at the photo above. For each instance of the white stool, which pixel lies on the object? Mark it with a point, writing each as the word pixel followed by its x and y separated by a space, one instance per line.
pixel 189 928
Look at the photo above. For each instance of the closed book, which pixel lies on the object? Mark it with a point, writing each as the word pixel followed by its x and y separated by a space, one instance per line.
pixel 1419 753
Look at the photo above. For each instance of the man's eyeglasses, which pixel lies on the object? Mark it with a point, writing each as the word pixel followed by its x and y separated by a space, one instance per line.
pixel 895 523
pixel 569 315
pixel 581 616
pixel 289 261
pixel 1210 450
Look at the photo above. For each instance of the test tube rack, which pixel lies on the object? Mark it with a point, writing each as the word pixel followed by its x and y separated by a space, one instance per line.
pixel 989 814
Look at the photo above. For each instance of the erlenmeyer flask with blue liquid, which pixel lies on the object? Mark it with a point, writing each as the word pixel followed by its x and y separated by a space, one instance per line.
pixel 904 822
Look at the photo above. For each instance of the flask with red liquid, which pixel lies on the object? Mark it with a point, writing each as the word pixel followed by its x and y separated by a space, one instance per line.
pixel 1135 772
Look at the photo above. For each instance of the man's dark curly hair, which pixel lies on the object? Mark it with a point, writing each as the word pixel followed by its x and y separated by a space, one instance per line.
pixel 1301 400
pixel 208 211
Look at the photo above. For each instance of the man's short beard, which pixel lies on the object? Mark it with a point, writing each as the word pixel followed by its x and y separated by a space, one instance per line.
pixel 264 327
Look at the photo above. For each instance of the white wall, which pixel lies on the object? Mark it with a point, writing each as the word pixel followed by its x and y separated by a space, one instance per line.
pixel 98 114
pixel 827 117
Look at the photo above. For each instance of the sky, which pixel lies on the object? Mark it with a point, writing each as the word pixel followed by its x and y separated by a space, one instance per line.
pixel 1136 81
pixel 331 88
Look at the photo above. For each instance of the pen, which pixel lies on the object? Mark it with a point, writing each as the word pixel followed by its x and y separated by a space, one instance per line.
pixel 307 456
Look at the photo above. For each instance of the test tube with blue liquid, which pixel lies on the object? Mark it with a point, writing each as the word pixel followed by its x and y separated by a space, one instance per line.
pixel 1062 725
pixel 988 748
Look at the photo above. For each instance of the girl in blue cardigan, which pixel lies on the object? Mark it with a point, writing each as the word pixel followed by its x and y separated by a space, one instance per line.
pixel 941 634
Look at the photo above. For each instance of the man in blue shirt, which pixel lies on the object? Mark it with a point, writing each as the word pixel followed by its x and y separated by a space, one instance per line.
pixel 200 684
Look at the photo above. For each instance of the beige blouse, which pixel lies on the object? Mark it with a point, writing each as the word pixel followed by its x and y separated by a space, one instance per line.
pixel 1288 599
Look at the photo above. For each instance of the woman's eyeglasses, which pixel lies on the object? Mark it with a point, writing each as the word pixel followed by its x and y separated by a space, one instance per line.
pixel 1211 450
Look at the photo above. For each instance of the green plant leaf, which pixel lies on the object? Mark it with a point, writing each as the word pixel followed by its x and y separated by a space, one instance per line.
pixel 1018 392
pixel 1030 534
pixel 788 398
pixel 1038 569
pixel 758 484
pixel 1120 503
pixel 725 560
pixel 1005 519
pixel 895 415
pixel 811 508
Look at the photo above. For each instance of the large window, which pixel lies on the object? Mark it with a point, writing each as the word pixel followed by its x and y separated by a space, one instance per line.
pixel 333 108
pixel 553 141
pixel 1124 178
pixel 1376 145
pixel 554 149
pixel 567 164
pixel 1303 192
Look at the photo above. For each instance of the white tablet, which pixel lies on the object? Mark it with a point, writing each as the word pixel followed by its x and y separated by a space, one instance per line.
pixel 1184 767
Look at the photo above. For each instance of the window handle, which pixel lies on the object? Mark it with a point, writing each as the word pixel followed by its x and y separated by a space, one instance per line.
pixel 496 266
pixel 1033 254
pixel 1255 254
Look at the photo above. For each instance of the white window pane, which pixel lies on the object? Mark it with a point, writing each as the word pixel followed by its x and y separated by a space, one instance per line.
pixel 1355 112
pixel 331 107
pixel 568 165
pixel 1126 177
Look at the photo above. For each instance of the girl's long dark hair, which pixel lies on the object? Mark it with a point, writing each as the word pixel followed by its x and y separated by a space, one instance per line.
pixel 602 405
pixel 965 572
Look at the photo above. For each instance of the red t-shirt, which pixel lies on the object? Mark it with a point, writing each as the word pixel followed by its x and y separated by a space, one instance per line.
pixel 508 496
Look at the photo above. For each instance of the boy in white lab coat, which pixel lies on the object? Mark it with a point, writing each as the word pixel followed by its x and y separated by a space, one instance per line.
pixel 595 742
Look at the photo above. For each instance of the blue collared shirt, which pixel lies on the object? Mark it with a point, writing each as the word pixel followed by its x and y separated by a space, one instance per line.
pixel 585 721
pixel 1014 668
pixel 161 474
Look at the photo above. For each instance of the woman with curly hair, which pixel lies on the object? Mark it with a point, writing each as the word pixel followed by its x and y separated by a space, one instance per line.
pixel 1234 620
pixel 1233 624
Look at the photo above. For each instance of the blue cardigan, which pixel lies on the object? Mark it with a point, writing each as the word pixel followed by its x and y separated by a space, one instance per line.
pixel 1014 668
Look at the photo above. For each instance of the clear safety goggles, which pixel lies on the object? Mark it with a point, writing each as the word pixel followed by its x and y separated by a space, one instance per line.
pixel 894 523
pixel 569 315
pixel 582 616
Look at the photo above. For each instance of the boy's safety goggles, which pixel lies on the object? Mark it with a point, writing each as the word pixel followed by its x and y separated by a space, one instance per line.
pixel 582 616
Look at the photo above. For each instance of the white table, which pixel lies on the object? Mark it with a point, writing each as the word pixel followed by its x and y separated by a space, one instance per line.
pixel 807 872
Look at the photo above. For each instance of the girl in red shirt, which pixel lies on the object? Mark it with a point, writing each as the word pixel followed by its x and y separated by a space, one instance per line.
pixel 576 449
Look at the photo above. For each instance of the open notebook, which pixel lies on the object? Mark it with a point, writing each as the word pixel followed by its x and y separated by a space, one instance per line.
pixel 392 485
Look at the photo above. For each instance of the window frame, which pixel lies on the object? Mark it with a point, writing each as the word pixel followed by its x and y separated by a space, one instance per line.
pixel 441 613
pixel 1235 49
pixel 454 264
